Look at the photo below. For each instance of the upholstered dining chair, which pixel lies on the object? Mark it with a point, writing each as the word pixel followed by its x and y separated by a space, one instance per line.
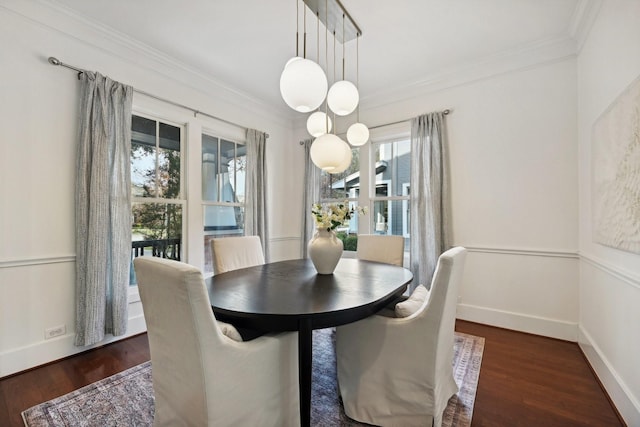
pixel 381 248
pixel 398 371
pixel 232 253
pixel 202 373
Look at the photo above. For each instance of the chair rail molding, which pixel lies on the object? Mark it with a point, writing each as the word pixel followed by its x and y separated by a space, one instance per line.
pixel 26 262
pixel 617 272
pixel 555 253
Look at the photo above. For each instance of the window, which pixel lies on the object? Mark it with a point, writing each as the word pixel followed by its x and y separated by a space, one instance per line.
pixel 157 193
pixel 223 182
pixel 390 178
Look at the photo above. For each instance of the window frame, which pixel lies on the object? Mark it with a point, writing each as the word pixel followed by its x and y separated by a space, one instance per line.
pixel 205 203
pixel 181 200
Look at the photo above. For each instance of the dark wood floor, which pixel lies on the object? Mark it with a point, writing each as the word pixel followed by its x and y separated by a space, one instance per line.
pixel 525 380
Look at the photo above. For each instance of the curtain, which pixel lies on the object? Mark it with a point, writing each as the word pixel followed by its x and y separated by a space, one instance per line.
pixel 430 199
pixel 103 209
pixel 311 196
pixel 255 210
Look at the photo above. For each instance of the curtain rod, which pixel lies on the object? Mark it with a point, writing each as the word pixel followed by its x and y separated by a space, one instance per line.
pixel 445 112
pixel 55 61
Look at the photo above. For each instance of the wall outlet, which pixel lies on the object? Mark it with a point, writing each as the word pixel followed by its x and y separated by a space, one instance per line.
pixel 55 331
pixel 459 300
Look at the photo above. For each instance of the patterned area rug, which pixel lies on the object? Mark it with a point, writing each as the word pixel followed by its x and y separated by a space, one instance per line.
pixel 126 399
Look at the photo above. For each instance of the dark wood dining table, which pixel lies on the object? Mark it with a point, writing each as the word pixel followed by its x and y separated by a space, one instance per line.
pixel 291 296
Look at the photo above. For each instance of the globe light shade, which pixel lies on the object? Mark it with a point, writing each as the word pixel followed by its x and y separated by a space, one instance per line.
pixel 346 160
pixel 327 152
pixel 303 85
pixel 295 58
pixel 358 134
pixel 343 97
pixel 318 124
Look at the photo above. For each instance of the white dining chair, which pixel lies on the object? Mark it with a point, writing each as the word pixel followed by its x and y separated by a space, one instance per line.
pixel 381 248
pixel 398 371
pixel 232 253
pixel 201 375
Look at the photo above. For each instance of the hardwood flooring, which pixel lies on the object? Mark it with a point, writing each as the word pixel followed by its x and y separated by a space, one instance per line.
pixel 529 380
pixel 525 380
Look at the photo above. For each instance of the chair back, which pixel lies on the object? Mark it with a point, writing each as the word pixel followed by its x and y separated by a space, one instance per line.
pixel 440 307
pixel 232 253
pixel 381 248
pixel 183 337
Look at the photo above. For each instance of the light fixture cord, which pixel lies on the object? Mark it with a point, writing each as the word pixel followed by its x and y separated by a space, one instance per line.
pixel 297 26
pixel 343 40
pixel 358 73
pixel 304 20
pixel 334 55
pixel 335 125
pixel 326 60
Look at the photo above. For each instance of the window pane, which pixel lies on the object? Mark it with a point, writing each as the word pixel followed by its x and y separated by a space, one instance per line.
pixel 348 232
pixel 393 167
pixel 169 162
pixel 239 172
pixel 143 157
pixel 343 185
pixel 209 168
pixel 224 220
pixel 220 221
pixel 391 217
pixel 227 171
pixel 156 231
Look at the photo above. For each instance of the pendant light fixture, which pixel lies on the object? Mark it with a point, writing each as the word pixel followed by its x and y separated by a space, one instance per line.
pixel 343 95
pixel 316 124
pixel 329 151
pixel 358 133
pixel 303 83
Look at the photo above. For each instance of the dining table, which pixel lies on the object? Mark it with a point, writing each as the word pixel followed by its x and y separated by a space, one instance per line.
pixel 291 296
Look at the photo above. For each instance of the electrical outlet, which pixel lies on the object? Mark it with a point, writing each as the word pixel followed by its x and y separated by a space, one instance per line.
pixel 459 300
pixel 55 331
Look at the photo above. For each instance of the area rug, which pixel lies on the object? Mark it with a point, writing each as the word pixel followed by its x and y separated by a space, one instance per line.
pixel 126 399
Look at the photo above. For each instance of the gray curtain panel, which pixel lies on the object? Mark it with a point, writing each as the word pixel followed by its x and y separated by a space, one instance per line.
pixel 255 211
pixel 430 199
pixel 311 196
pixel 103 209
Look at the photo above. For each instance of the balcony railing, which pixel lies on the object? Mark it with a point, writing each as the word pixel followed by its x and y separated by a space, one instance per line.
pixel 165 248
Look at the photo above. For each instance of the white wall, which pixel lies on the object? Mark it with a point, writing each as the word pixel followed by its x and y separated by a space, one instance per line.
pixel 38 118
pixel 609 292
pixel 513 157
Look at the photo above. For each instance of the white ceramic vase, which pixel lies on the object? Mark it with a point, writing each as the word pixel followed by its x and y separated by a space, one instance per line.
pixel 325 250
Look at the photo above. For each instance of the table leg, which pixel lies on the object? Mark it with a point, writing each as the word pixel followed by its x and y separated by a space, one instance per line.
pixel 305 361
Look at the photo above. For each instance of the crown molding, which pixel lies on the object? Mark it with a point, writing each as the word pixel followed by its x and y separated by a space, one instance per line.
pixel 537 53
pixel 583 18
pixel 55 16
pixel 528 56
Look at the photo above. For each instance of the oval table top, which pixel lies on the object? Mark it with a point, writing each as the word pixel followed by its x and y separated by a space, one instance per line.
pixel 277 296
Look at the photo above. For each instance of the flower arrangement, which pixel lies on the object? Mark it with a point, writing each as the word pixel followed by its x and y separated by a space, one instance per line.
pixel 331 216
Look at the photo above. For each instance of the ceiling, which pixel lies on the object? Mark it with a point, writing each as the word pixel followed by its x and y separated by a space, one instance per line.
pixel 245 44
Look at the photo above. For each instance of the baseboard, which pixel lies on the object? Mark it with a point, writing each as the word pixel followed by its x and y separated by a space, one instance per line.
pixel 628 407
pixel 46 351
pixel 553 328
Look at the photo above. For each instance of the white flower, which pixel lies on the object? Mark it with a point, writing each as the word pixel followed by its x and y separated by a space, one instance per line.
pixel 331 216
